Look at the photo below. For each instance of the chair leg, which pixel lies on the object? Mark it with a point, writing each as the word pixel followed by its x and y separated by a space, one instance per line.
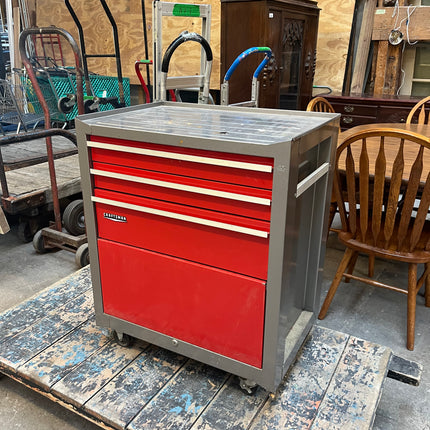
pixel 427 288
pixel 332 213
pixel 351 265
pixel 336 281
pixel 412 302
pixel 371 266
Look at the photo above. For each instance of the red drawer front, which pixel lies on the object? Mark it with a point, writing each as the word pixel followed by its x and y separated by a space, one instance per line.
pixel 220 247
pixel 218 196
pixel 200 168
pixel 211 308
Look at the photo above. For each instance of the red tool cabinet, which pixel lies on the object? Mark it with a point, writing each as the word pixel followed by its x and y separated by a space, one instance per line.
pixel 205 228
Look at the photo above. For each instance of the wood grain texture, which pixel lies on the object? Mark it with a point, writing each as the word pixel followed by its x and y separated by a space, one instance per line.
pixel 128 17
pixel 384 22
pixel 84 381
pixel 28 343
pixel 300 394
pixel 29 312
pixel 57 360
pixel 360 371
pixel 333 39
pixel 231 409
pixel 183 398
pixel 36 178
pixel 122 398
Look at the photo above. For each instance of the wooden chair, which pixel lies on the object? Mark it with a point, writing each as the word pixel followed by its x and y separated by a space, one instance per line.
pixel 420 113
pixel 319 104
pixel 376 223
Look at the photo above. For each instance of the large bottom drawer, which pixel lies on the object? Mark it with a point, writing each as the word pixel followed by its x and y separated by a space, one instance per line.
pixel 214 309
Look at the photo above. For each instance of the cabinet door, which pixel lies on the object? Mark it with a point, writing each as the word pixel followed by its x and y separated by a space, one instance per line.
pixel 297 59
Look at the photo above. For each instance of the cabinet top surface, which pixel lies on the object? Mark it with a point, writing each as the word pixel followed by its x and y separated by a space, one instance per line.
pixel 256 126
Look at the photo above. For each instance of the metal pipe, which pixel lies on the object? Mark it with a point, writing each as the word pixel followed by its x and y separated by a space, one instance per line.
pixel 75 18
pixel 117 53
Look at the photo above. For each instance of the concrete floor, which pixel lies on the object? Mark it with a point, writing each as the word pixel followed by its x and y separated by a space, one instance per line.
pixel 363 311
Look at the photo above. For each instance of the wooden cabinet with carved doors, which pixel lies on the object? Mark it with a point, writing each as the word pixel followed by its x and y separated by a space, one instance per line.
pixel 289 28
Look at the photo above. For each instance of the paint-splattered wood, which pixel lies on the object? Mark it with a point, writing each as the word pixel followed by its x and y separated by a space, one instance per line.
pixel 353 394
pixel 33 340
pixel 27 313
pixel 58 350
pixel 297 401
pixel 138 383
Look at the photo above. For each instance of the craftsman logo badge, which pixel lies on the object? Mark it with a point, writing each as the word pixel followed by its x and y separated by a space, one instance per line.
pixel 114 217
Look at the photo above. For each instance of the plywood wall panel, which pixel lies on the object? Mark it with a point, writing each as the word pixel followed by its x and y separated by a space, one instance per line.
pixel 128 16
pixel 333 40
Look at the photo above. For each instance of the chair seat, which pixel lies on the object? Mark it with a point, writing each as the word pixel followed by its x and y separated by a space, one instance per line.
pixel 380 249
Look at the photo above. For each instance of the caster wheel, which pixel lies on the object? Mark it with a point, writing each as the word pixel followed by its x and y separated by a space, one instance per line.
pixel 82 256
pixel 66 104
pixel 26 230
pixel 38 243
pixel 122 339
pixel 73 218
pixel 247 386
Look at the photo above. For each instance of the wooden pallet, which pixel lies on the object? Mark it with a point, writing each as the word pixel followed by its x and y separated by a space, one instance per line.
pixel 51 344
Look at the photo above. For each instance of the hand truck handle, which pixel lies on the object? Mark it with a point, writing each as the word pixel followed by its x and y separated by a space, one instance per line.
pixel 185 37
pixel 245 54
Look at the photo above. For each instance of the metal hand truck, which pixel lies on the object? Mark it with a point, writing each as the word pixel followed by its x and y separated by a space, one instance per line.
pixel 53 236
pixel 91 105
pixel 165 9
pixel 255 84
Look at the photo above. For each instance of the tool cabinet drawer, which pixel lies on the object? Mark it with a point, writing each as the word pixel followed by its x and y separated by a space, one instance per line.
pixel 217 239
pixel 218 196
pixel 211 308
pixel 238 169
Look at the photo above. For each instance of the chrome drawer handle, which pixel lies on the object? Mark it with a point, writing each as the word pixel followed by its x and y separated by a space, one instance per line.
pixel 183 157
pixel 182 187
pixel 188 218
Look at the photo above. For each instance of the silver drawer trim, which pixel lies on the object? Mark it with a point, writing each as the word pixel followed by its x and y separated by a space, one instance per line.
pixel 183 157
pixel 195 220
pixel 182 187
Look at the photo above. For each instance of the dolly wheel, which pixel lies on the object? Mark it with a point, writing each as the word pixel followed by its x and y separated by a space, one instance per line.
pixel 247 386
pixel 73 217
pixel 82 256
pixel 38 243
pixel 26 230
pixel 122 339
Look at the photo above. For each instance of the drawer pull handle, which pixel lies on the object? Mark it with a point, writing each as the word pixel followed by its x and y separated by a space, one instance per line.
pixel 182 187
pixel 347 119
pixel 315 176
pixel 182 217
pixel 183 157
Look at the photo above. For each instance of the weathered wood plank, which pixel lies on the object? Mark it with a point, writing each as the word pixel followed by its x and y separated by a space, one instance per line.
pixel 16 155
pixel 59 359
pixel 182 400
pixel 231 409
pixel 353 395
pixel 27 313
pixel 84 381
pixel 4 226
pixel 418 23
pixel 297 400
pixel 122 398
pixel 33 178
pixel 363 47
pixel 31 341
